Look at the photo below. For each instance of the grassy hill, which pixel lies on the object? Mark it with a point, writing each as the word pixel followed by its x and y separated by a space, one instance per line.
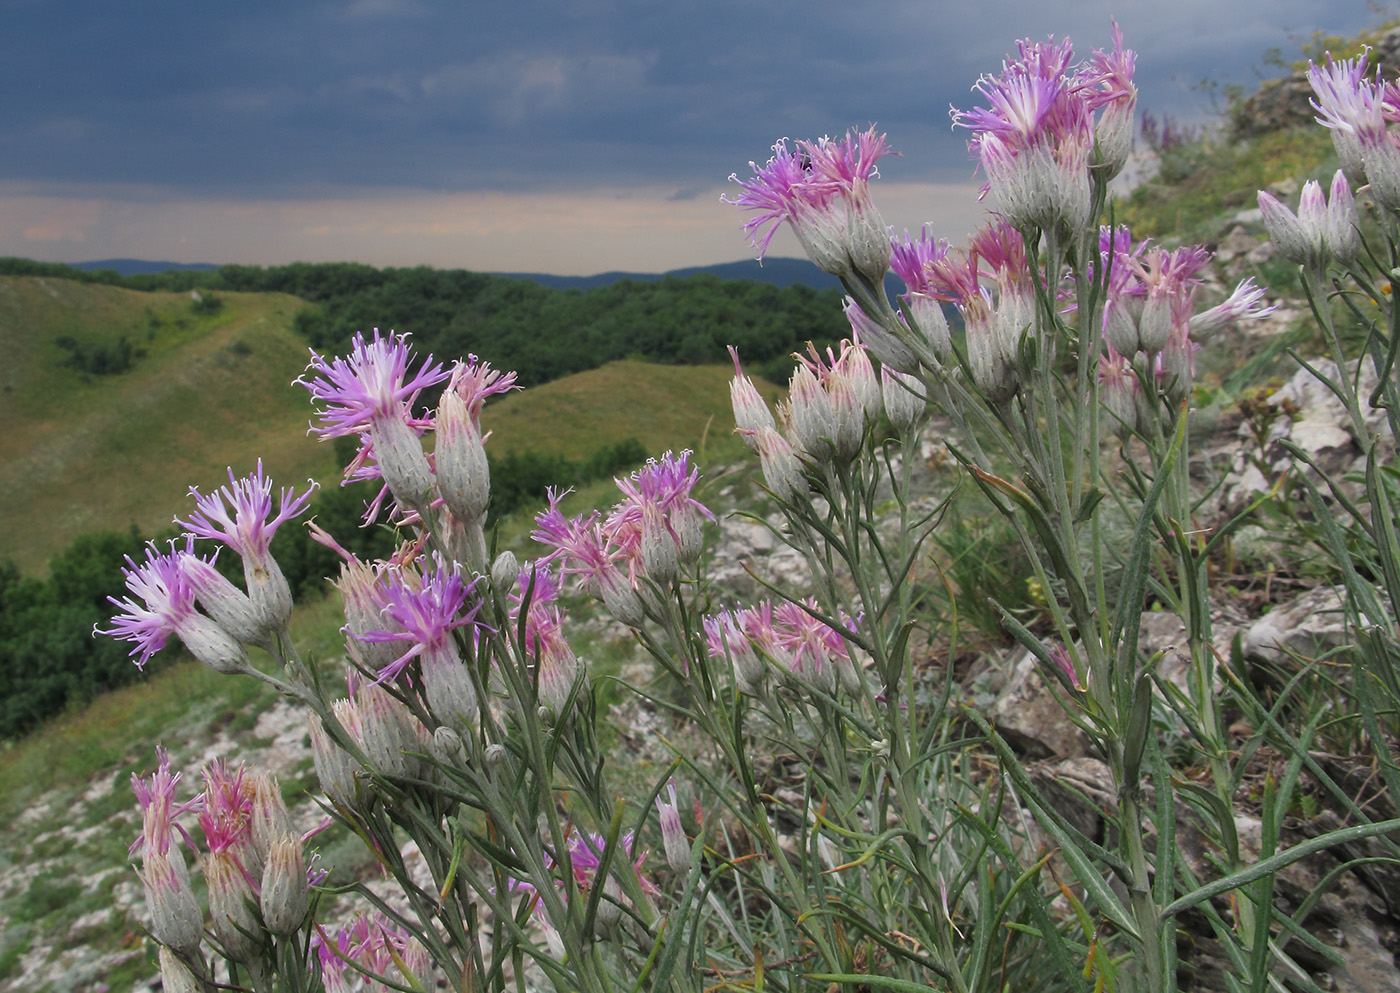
pixel 84 452
pixel 663 406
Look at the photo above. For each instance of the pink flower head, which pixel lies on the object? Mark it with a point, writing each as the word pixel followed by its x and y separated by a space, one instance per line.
pixel 228 806
pixel 168 607
pixel 656 499
pixel 585 856
pixel 579 542
pixel 1035 137
pixel 822 191
pixel 237 514
pixel 1106 84
pixel 159 808
pixel 370 387
pixel 1170 279
pixel 913 260
pixel 371 395
pixel 1246 303
pixel 475 381
pixel 1353 108
pixel 167 604
pixel 424 606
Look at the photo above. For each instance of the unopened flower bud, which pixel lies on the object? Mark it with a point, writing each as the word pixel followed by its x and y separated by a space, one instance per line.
pixel 447 685
pixel 1120 326
pixel 559 670
pixel 782 470
pixel 401 460
pixel 658 548
pixel 284 898
pixel 448 747
pixel 750 409
pixel 1340 232
pixel 335 768
pixel 884 343
pixel 610 904
pixel 387 733
pixel 1155 324
pixel 212 645
pixel 848 673
pixel 813 420
pixel 1113 136
pixel 495 753
pixel 505 571
pixel 621 599
pixel 904 399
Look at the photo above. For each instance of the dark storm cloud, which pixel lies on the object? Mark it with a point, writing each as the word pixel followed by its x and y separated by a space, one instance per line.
pixel 275 99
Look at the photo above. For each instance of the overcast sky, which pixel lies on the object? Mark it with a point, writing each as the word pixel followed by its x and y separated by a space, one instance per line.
pixel 569 137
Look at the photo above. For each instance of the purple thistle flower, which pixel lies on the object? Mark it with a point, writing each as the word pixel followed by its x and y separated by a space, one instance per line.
pixel 159 809
pixel 370 387
pixel 1247 302
pixel 371 393
pixel 1035 138
pixel 663 485
pixel 474 381
pixel 426 607
pixel 237 515
pixel 822 191
pixel 167 607
pixel 247 531
pixel 1353 108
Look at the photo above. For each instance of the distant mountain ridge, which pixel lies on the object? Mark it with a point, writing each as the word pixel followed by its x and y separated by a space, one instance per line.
pixel 141 267
pixel 778 271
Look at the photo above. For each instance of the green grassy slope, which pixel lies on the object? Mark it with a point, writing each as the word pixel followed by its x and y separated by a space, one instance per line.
pixel 663 406
pixel 82 453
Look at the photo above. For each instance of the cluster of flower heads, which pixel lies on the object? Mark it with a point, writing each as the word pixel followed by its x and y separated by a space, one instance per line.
pixel 832 402
pixel 1038 138
pixel 371 395
pixel 788 635
pixel 1050 130
pixel 382 730
pixel 1357 111
pixel 255 871
pixel 1150 311
pixel 168 589
pixel 651 536
pixel 371 945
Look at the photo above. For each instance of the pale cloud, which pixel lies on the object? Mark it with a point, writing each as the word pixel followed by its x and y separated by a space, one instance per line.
pixel 637 230
pixel 44 219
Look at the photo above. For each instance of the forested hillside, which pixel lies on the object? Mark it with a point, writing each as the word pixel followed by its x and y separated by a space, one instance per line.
pixel 542 333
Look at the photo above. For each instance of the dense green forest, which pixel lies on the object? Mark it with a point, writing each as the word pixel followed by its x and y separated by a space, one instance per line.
pixel 540 332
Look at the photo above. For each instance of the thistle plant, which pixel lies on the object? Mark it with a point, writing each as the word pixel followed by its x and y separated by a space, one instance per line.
pixel 830 812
